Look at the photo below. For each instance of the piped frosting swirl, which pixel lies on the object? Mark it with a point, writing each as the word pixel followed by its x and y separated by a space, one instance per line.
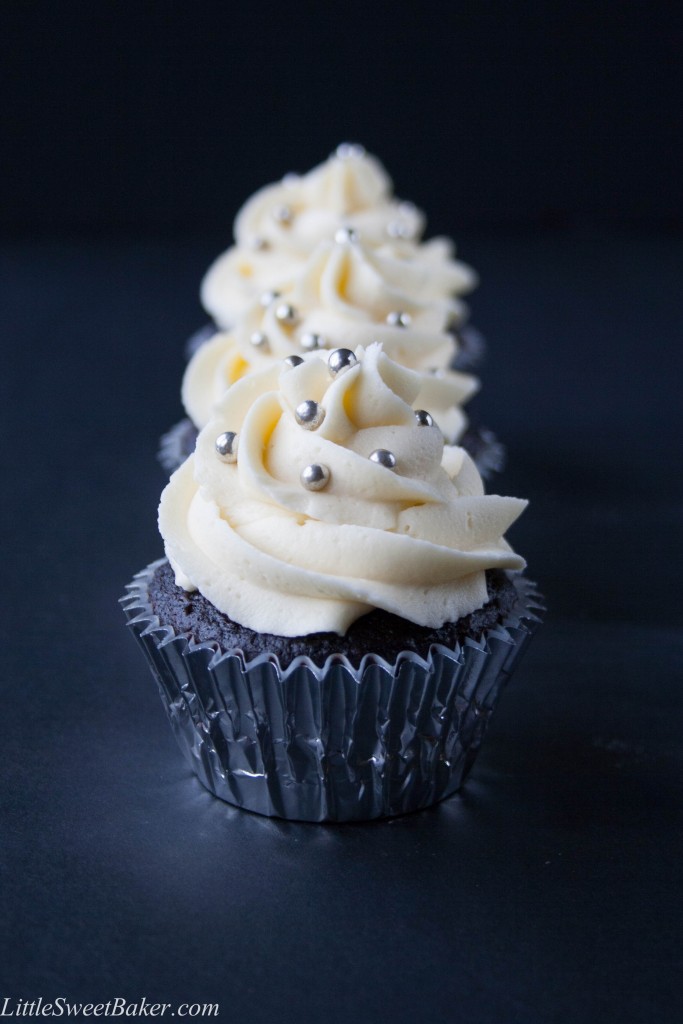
pixel 278 228
pixel 413 536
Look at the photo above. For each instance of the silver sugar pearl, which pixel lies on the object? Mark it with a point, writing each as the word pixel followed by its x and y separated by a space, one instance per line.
pixel 340 359
pixel 259 340
pixel 286 314
pixel 226 446
pixel 350 151
pixel 293 361
pixel 283 214
pixel 259 244
pixel 423 418
pixel 344 235
pixel 311 341
pixel 309 415
pixel 399 319
pixel 315 477
pixel 266 298
pixel 383 458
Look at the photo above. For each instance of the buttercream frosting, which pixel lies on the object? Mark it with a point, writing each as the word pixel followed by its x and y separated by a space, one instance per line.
pixel 347 294
pixel 281 224
pixel 414 539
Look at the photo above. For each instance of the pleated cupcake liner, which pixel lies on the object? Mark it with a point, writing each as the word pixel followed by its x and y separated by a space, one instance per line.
pixel 487 451
pixel 471 348
pixel 200 336
pixel 333 743
pixel 178 443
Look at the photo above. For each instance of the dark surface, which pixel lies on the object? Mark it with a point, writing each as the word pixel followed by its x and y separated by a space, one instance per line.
pixel 549 890
pixel 379 632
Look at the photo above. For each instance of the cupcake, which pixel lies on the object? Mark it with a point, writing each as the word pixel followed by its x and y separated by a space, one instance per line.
pixel 339 609
pixel 342 259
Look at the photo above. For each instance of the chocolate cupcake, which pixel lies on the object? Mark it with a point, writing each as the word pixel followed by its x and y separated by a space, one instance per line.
pixel 345 609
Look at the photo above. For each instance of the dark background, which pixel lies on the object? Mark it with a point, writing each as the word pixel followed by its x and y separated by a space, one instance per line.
pixel 164 116
pixel 545 138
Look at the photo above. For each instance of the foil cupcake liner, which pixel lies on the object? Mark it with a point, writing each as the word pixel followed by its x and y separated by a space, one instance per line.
pixel 486 450
pixel 196 340
pixel 335 743
pixel 471 348
pixel 482 444
pixel 176 445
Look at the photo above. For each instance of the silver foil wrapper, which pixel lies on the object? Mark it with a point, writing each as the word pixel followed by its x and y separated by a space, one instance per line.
pixel 196 340
pixel 176 445
pixel 335 743
pixel 471 348
pixel 482 444
pixel 486 450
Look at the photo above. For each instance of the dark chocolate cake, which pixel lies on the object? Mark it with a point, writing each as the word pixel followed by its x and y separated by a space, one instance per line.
pixel 379 632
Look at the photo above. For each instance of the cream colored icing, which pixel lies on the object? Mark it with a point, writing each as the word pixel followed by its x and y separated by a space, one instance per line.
pixel 282 223
pixel 343 295
pixel 276 557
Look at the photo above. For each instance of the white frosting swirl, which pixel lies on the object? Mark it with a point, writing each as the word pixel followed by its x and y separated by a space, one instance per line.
pixel 281 224
pixel 276 557
pixel 346 296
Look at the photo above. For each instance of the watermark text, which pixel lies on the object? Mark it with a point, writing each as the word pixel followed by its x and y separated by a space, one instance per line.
pixel 119 1007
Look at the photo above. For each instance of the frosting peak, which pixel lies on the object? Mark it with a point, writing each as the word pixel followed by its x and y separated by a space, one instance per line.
pixel 341 187
pixel 303 209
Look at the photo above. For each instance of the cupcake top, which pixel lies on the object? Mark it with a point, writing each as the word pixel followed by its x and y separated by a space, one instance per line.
pixel 346 295
pixel 317 493
pixel 278 228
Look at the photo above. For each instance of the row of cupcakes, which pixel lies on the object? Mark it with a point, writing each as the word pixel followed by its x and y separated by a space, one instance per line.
pixel 338 608
pixel 326 260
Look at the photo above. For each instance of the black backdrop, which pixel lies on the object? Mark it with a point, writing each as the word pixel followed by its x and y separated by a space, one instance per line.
pixel 545 138
pixel 162 116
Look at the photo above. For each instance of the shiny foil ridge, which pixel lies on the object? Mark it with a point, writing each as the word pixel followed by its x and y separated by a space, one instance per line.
pixel 176 445
pixel 472 348
pixel 330 743
pixel 199 338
